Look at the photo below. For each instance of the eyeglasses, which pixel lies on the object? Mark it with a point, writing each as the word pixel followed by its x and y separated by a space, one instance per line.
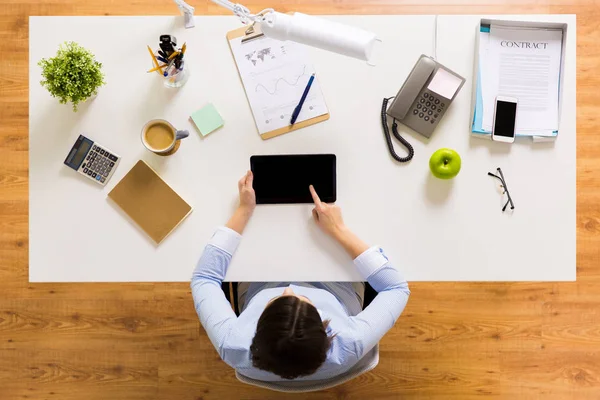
pixel 504 187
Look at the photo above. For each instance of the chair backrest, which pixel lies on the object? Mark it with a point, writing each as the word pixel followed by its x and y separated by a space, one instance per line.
pixel 225 286
pixel 366 364
pixel 370 294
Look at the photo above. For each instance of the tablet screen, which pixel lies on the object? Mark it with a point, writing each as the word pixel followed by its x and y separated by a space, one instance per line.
pixel 285 178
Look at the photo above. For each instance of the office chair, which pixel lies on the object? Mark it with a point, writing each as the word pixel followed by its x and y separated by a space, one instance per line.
pixel 231 289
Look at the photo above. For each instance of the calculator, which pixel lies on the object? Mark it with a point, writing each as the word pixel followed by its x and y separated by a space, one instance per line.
pixel 92 160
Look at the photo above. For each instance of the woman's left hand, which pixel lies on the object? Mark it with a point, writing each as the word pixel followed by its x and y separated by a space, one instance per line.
pixel 247 195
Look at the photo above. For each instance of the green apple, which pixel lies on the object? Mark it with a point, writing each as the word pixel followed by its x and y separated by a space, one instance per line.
pixel 445 164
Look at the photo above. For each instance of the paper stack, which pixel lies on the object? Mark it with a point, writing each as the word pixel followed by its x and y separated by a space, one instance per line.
pixel 522 62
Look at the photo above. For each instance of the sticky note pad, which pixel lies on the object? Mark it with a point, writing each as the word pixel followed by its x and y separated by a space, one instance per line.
pixel 207 119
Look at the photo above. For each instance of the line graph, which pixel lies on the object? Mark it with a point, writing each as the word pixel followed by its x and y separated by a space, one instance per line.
pixel 260 85
pixel 274 75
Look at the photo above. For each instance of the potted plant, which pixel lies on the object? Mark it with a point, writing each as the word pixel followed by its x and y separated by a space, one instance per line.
pixel 73 75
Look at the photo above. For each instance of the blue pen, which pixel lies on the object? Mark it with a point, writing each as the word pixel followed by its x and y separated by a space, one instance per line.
pixel 299 106
pixel 166 73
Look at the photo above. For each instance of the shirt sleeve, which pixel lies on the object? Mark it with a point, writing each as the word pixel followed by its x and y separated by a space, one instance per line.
pixel 369 326
pixel 214 311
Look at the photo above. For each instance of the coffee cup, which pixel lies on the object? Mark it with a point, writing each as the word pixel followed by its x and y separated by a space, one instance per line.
pixel 160 137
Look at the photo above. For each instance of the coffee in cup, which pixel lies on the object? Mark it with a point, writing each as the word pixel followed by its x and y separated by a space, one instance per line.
pixel 160 137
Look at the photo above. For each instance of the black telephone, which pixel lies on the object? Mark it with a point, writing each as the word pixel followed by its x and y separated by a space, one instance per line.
pixel 388 138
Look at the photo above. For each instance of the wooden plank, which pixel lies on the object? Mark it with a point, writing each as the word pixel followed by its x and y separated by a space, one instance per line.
pixel 465 326
pixel 553 375
pixel 38 373
pixel 95 325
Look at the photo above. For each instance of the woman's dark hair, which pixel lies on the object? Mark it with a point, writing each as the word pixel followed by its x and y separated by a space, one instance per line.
pixel 291 339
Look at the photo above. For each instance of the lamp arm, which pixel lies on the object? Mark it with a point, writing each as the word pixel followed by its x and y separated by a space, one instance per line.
pixel 242 12
pixel 187 11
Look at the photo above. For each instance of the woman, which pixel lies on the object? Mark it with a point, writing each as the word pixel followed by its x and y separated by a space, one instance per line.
pixel 301 331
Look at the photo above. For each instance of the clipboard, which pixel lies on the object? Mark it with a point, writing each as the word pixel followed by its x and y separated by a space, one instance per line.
pixel 253 32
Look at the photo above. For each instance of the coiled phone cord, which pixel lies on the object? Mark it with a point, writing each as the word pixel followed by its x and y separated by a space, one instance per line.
pixel 388 138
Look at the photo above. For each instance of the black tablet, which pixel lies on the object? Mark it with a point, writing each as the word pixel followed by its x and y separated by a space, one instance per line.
pixel 285 178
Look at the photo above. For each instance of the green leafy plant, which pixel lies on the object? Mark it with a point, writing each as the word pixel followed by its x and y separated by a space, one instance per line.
pixel 73 75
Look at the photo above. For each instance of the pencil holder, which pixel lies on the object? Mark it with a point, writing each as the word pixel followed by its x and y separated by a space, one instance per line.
pixel 179 77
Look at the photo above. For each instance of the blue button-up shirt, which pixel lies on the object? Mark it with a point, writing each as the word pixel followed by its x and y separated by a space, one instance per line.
pixel 355 335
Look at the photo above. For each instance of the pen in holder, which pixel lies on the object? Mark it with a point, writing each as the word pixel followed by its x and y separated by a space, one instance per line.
pixel 177 77
pixel 169 63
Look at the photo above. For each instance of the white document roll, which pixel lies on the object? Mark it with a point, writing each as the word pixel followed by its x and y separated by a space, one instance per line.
pixel 320 33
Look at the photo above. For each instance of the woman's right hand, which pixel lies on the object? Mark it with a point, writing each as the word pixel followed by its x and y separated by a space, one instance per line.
pixel 327 216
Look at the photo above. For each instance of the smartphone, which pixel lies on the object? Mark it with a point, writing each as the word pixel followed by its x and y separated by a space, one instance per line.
pixel 505 119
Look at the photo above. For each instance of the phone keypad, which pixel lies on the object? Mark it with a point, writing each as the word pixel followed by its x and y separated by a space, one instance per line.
pixel 429 107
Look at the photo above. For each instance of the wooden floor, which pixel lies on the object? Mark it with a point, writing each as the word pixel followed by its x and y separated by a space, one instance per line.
pixel 142 341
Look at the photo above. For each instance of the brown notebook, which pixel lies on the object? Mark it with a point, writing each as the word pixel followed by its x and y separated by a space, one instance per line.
pixel 150 202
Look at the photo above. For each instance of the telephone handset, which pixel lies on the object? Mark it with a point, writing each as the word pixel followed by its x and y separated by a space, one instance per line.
pixel 421 101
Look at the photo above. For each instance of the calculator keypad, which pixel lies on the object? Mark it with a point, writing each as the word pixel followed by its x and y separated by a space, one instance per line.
pixel 99 164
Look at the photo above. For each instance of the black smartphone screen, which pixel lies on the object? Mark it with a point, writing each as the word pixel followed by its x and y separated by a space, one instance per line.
pixel 506 114
pixel 285 178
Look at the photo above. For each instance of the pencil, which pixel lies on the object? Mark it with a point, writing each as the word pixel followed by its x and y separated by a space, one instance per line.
pixel 160 67
pixel 154 60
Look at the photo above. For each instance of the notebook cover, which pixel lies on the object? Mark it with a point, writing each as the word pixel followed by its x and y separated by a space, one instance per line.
pixel 150 202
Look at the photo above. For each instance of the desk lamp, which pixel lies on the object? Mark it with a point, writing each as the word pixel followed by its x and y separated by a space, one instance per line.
pixel 302 28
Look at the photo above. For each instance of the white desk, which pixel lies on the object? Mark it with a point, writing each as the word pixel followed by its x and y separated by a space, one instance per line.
pixel 432 230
